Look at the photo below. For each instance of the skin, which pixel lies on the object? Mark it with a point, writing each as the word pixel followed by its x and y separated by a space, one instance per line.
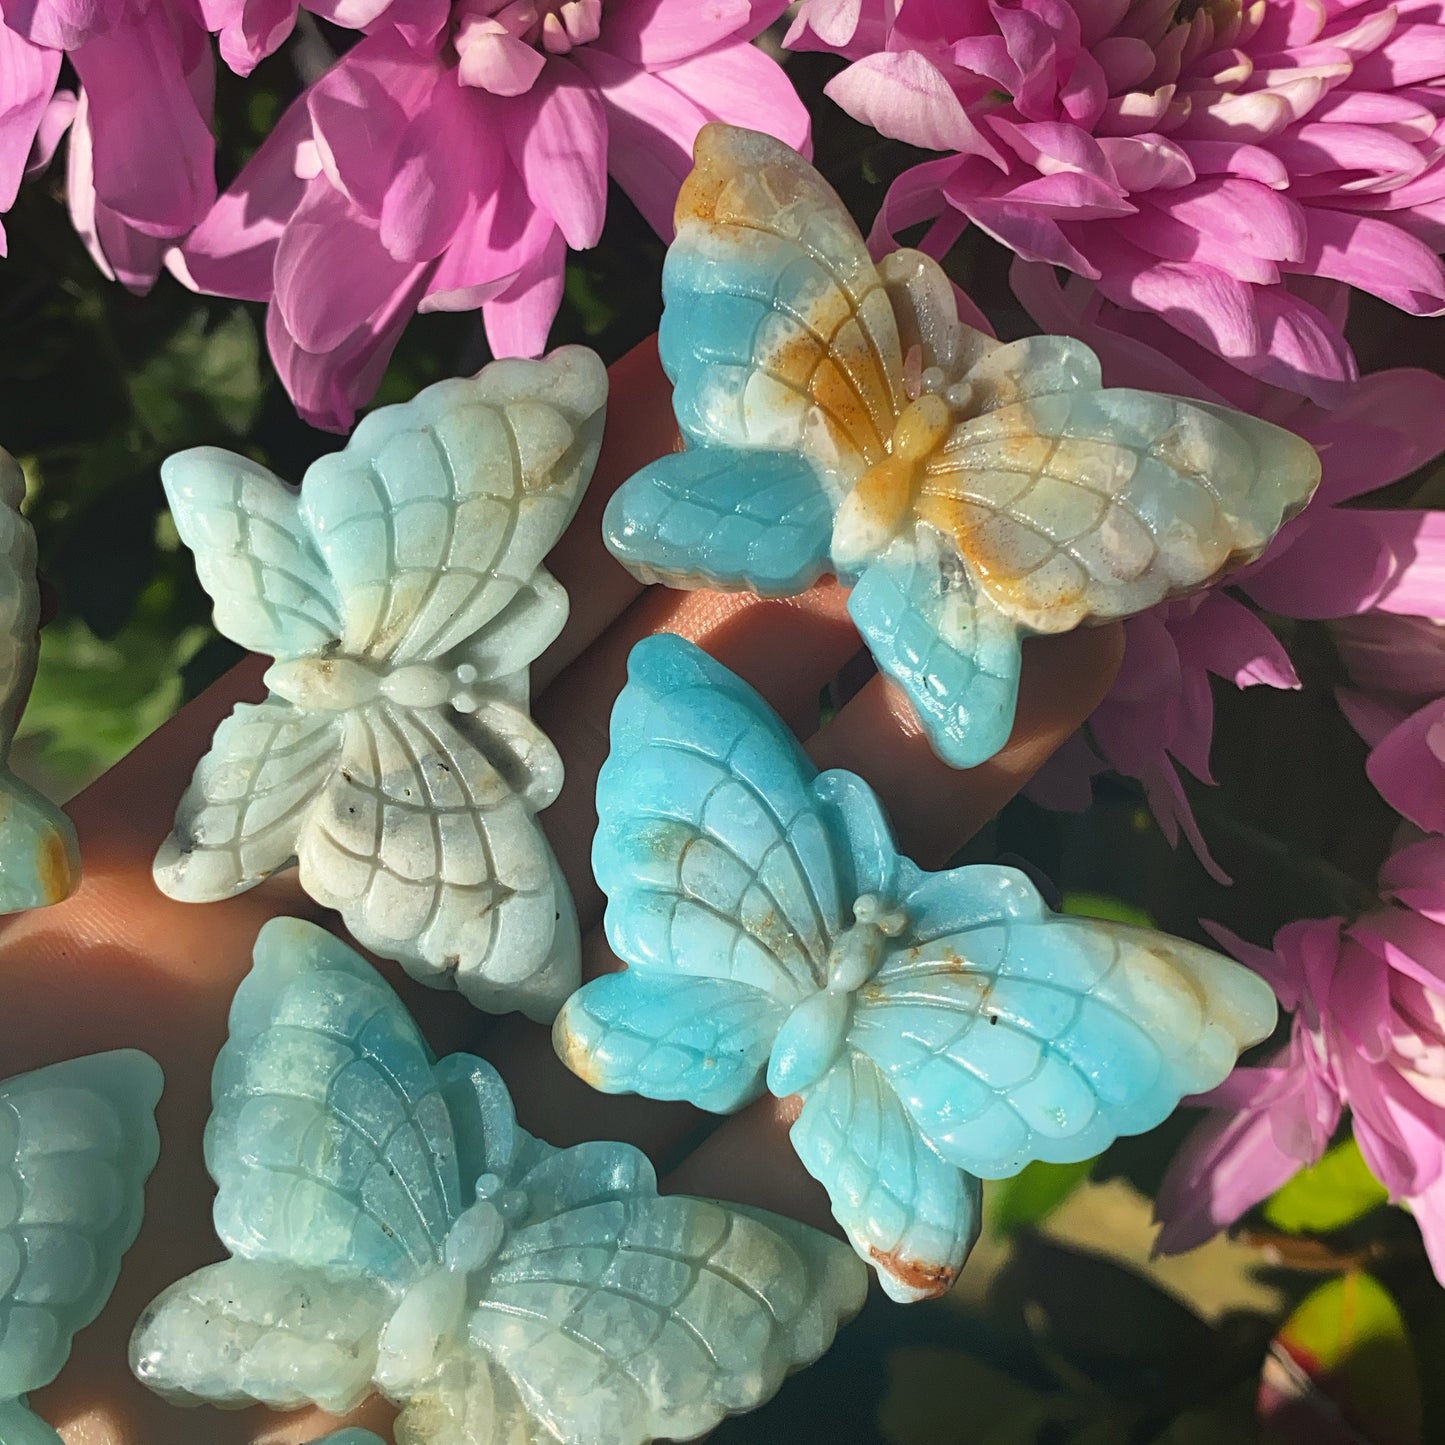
pixel 121 965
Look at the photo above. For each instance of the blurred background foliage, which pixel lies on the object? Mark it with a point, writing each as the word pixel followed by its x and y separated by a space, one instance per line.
pixel 1317 1322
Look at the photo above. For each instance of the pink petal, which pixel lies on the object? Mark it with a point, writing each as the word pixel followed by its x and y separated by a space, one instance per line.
pixel 1147 162
pixel 1418 541
pixel 27 80
pixel 1303 350
pixel 1415 876
pixel 1407 765
pixel 495 60
pixel 1240 215
pixel 438 170
pixel 518 320
pixel 1225 157
pixel 361 110
pixel 1428 1207
pixel 153 152
pixel 332 272
pixel 741 85
pixel 1206 305
pixel 1227 1165
pixel 232 252
pixel 902 95
pixel 666 30
pixel 328 386
pixel 59 114
pixel 650 130
pixel 1377 257
pixel 493 244
pixel 249 30
pixel 61 24
pixel 1280 971
pixel 1388 424
pixel 1409 942
pixel 1372 717
pixel 1243 117
pixel 1402 656
pixel 1333 567
pixel 557 137
pixel 120 251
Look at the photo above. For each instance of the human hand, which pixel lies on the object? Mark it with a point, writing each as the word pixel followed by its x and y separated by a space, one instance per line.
pixel 121 965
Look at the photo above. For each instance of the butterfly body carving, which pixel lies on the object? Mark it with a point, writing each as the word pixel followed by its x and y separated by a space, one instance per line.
pixel 77 1143
pixel 939 1028
pixel 839 417
pixel 402 593
pixel 393 1228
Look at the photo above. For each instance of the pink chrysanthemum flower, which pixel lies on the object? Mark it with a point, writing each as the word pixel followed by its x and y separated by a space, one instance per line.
pixel 453 171
pixel 1368 1036
pixel 1336 559
pixel 142 160
pixel 1212 163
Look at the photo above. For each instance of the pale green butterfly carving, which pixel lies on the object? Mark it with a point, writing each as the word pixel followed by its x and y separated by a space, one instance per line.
pixel 77 1142
pixel 393 1228
pixel 39 860
pixel 402 593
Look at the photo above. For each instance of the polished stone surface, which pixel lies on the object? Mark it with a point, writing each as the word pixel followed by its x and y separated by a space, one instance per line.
pixel 77 1143
pixel 839 417
pixel 939 1027
pixel 393 1228
pixel 402 595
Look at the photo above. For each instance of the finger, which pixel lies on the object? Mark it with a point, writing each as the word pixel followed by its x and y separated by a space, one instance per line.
pixel 935 808
pixel 640 428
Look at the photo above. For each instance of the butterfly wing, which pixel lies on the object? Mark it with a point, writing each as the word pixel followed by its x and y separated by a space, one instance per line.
pixel 39 857
pixel 1011 1033
pixel 723 517
pixel 253 553
pixel 332 1146
pixel 77 1142
pixel 433 857
pixel 1071 503
pixel 613 1314
pixel 782 346
pixel 248 802
pixel 906 1210
pixel 725 887
pixel 439 510
pixel 20 1426
pixel 932 630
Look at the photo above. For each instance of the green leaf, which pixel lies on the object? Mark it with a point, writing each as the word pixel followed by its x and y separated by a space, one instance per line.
pixel 1344 1351
pixel 203 370
pixel 94 700
pixel 1329 1195
pixel 1102 905
pixel 1032 1194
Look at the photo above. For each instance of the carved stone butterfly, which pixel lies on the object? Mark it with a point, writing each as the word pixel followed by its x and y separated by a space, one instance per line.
pixel 939 1027
pixel 393 1228
pixel 77 1143
pixel 839 417
pixel 402 593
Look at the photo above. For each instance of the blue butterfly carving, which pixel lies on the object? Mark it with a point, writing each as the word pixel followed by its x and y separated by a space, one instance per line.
pixel 839 417
pixel 939 1027
pixel 393 1228
pixel 77 1143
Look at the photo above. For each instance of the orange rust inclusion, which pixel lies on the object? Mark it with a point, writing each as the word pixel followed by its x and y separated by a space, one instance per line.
pixel 53 866
pixel 929 1280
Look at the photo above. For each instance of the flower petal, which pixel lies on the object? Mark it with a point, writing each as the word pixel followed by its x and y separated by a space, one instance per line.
pixel 667 30
pixel 557 137
pixel 1377 257
pixel 902 95
pixel 1407 765
pixel 518 320
pixel 27 81
pixel 153 151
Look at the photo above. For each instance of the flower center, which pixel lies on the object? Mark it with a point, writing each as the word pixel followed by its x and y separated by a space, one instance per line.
pixel 502 45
